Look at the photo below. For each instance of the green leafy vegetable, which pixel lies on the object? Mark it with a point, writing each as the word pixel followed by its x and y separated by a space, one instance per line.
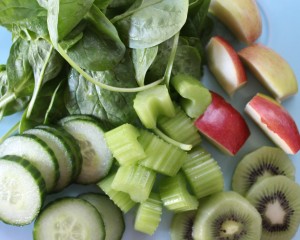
pixel 153 22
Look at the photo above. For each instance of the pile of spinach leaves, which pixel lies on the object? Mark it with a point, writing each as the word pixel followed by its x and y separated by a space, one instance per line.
pixel 92 56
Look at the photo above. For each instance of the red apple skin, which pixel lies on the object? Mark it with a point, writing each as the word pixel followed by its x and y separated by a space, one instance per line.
pixel 219 66
pixel 223 125
pixel 277 120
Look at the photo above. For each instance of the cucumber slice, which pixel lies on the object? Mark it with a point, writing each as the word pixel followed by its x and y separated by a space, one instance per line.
pixel 69 218
pixel 62 154
pixel 22 191
pixel 96 156
pixel 35 151
pixel 71 144
pixel 111 214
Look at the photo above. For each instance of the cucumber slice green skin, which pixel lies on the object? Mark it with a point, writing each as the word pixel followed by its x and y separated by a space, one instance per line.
pixel 71 145
pixel 97 158
pixel 62 153
pixel 35 151
pixel 111 214
pixel 22 172
pixel 69 218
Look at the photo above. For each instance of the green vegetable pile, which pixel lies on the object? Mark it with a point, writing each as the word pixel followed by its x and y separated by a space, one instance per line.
pixel 92 57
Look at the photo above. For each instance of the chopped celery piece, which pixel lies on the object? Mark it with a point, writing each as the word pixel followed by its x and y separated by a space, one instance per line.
pixel 135 180
pixel 151 103
pixel 148 215
pixel 162 157
pixel 121 199
pixel 123 143
pixel 175 196
pixel 203 173
pixel 195 97
pixel 180 127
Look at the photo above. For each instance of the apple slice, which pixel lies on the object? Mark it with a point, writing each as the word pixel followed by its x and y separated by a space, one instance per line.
pixel 275 121
pixel 225 64
pixel 223 125
pixel 242 17
pixel 271 70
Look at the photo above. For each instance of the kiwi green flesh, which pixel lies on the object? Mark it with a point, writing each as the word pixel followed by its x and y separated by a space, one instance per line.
pixel 260 164
pixel 226 216
pixel 182 225
pixel 277 199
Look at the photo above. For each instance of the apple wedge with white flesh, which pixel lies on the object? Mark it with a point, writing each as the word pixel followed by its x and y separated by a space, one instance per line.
pixel 241 17
pixel 275 121
pixel 225 64
pixel 271 70
pixel 223 125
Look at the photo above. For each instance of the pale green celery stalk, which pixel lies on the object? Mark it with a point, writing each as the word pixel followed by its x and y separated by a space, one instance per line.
pixel 10 132
pixel 169 68
pixel 39 84
pixel 128 13
pixel 183 146
pixel 99 84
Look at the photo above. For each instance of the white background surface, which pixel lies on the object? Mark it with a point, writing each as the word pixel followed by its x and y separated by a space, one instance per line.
pixel 281 32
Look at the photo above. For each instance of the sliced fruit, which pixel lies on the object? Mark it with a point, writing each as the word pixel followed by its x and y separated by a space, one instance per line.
pixel 69 218
pixel 182 225
pixel 22 191
pixel 225 65
pixel 226 215
pixel 259 164
pixel 148 215
pixel 271 70
pixel 97 157
pixel 277 200
pixel 195 98
pixel 111 214
pixel 275 121
pixel 36 152
pixel 203 173
pixel 223 125
pixel 241 17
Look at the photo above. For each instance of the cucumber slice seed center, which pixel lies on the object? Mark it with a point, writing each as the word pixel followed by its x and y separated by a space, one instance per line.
pixel 68 228
pixel 87 150
pixel 9 191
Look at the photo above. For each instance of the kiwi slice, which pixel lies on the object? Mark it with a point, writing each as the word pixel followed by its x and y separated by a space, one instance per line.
pixel 226 216
pixel 182 225
pixel 259 164
pixel 277 199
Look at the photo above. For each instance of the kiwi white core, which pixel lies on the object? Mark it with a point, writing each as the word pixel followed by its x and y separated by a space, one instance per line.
pixel 229 228
pixel 275 213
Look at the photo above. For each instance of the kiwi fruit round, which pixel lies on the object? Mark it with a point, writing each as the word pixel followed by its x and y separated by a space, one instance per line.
pixel 259 164
pixel 277 199
pixel 226 216
pixel 182 225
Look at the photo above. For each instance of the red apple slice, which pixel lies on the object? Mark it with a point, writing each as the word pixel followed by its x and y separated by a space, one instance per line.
pixel 242 17
pixel 271 70
pixel 223 125
pixel 275 121
pixel 225 64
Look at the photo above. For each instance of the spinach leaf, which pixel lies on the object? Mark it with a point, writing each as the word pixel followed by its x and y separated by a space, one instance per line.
pixel 113 108
pixel 152 22
pixel 16 10
pixel 100 47
pixel 124 4
pixel 31 28
pixel 46 62
pixel 187 60
pixel 16 105
pixel 43 3
pixel 64 15
pixel 142 59
pixel 102 4
pixel 20 79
